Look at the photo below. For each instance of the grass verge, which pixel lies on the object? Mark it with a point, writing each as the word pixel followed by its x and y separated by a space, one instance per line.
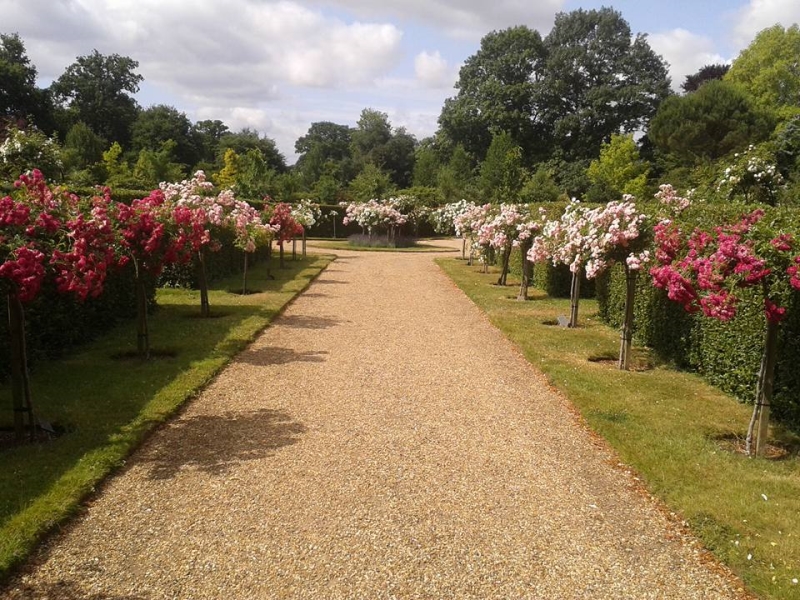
pixel 107 402
pixel 677 431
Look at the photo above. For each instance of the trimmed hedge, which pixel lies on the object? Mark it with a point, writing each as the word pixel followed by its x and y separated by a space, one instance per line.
pixel 727 354
pixel 118 194
pixel 323 228
pixel 555 281
pixel 227 261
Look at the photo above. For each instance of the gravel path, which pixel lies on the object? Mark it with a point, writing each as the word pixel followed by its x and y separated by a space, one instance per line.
pixel 380 440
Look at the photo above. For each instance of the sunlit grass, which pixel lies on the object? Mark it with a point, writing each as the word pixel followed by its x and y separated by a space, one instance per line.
pixel 672 427
pixel 107 405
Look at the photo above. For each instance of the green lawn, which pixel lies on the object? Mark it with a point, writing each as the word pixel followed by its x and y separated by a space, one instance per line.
pixel 108 405
pixel 672 427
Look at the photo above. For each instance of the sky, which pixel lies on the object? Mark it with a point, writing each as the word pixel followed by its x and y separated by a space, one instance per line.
pixel 278 66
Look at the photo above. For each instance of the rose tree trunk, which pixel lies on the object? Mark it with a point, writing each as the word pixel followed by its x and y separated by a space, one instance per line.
pixel 20 383
pixel 202 280
pixel 527 270
pixel 759 423
pixel 627 324
pixel 506 257
pixel 575 297
pixel 244 275
pixel 142 330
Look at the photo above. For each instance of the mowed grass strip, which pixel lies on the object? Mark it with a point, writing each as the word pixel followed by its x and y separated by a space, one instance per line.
pixel 108 402
pixel 674 429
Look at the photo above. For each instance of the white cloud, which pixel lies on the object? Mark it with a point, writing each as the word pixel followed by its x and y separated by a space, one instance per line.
pixel 760 14
pixel 432 70
pixel 275 65
pixel 686 53
pixel 239 48
pixel 469 19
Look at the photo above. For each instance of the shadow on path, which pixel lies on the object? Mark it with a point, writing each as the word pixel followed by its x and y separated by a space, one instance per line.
pixel 272 355
pixel 63 590
pixel 215 444
pixel 308 322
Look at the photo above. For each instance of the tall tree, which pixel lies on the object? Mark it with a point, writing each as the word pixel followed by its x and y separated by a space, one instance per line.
pixel 324 143
pixel 769 70
pixel 397 157
pixel 207 135
pixel 426 164
pixel 82 147
pixel 715 120
pixel 704 75
pixel 97 90
pixel 372 132
pixel 619 170
pixel 599 80
pixel 254 179
pixel 157 124
pixel 375 142
pixel 456 179
pixel 371 182
pixel 502 172
pixel 332 138
pixel 154 166
pixel 496 92
pixel 20 100
pixel 248 139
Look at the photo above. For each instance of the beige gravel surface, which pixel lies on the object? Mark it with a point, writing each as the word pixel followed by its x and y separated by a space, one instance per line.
pixel 380 440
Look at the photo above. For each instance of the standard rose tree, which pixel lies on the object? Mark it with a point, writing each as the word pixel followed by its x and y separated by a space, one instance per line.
pixel 565 241
pixel 704 270
pixel 146 243
pixel 501 232
pixel 285 226
pixel 47 232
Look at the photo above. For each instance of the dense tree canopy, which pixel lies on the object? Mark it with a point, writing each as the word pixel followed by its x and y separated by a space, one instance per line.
pixel 532 117
pixel 97 90
pixel 207 135
pixel 324 143
pixel 375 142
pixel 769 70
pixel 397 157
pixel 599 80
pixel 20 99
pixel 713 121
pixel 704 75
pixel 82 147
pixel 501 175
pixel 373 131
pixel 496 92
pixel 619 170
pixel 247 139
pixel 562 95
pixel 157 124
